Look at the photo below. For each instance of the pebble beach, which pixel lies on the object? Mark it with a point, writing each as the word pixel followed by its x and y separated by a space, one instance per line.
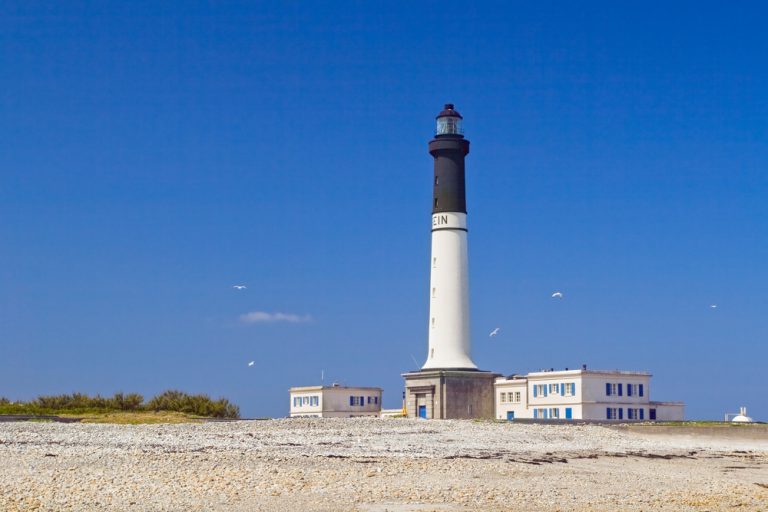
pixel 378 465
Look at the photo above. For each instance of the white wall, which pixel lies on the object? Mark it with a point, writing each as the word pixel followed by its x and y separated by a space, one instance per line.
pixel 336 402
pixel 669 412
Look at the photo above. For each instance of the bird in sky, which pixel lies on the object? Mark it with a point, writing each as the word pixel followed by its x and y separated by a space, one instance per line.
pixel 251 363
pixel 559 295
pixel 239 287
pixel 494 332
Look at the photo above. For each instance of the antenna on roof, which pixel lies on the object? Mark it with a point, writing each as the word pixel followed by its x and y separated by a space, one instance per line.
pixel 322 376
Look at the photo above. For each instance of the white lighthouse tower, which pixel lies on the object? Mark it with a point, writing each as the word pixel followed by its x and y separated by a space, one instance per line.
pixel 449 384
pixel 449 338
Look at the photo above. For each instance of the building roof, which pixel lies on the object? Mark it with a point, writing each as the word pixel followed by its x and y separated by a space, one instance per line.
pixel 337 386
pixel 579 371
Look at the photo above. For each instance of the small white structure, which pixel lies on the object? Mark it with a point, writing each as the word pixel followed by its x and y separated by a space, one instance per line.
pixel 739 418
pixel 581 395
pixel 334 401
pixel 392 413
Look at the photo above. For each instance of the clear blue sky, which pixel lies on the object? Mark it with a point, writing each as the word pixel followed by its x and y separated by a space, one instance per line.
pixel 154 154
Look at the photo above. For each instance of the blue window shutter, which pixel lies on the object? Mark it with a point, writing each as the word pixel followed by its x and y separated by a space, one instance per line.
pixel 641 390
pixel 351 401
pixel 545 414
pixel 619 388
pixel 545 390
pixel 621 411
pixel 562 389
pixel 607 413
pixel 535 413
pixel 534 395
pixel 641 411
pixel 608 389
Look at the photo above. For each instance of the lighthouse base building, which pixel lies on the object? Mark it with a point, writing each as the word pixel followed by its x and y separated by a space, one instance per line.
pixel 450 394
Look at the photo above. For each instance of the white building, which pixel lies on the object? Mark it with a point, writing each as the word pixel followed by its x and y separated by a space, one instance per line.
pixel 335 401
pixel 581 395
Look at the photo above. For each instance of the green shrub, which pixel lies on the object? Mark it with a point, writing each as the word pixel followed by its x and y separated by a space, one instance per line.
pixel 199 405
pixel 79 403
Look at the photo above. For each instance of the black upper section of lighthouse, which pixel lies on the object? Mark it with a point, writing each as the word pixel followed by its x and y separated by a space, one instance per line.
pixel 449 147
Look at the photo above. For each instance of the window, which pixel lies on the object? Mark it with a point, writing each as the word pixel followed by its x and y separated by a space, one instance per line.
pixel 554 412
pixel 639 390
pixel 652 414
pixel 314 400
pixel 554 389
pixel 611 413
pixel 630 389
pixel 610 389
pixel 570 389
pixel 540 390
pixel 296 401
pixel 630 412
pixel 305 400
pixel 540 413
pixel 503 398
pixel 435 202
pixel 356 400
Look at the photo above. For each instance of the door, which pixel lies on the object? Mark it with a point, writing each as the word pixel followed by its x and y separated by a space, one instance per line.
pixel 510 415
pixel 652 414
pixel 568 413
pixel 423 411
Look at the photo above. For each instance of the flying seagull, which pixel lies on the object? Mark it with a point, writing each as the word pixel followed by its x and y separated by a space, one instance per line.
pixel 494 332
pixel 251 363
pixel 239 286
pixel 559 295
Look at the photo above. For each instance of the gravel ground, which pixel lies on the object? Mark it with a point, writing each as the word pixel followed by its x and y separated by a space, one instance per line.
pixel 374 465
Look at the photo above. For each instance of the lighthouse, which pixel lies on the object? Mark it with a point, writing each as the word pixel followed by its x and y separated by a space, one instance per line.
pixel 449 336
pixel 449 384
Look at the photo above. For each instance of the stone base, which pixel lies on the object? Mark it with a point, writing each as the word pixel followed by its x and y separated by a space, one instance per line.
pixel 449 394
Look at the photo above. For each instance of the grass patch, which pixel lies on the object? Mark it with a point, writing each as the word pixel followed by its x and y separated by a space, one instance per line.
pixel 137 418
pixel 697 423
